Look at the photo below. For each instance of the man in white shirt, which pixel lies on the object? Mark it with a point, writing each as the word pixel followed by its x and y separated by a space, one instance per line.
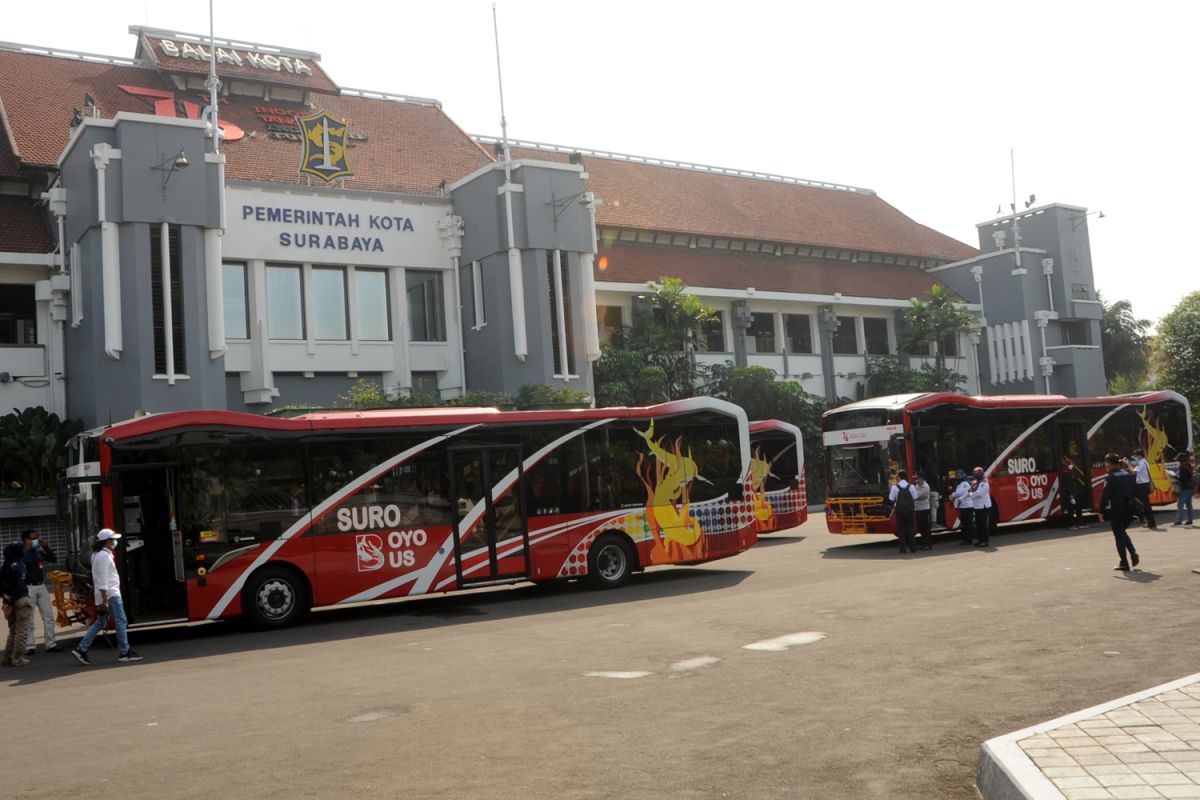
pixel 981 499
pixel 107 585
pixel 903 498
pixel 966 507
pixel 1141 481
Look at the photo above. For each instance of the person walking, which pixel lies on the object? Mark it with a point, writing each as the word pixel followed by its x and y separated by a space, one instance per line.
pixel 903 498
pixel 37 555
pixel 1115 502
pixel 107 586
pixel 981 499
pixel 922 512
pixel 18 608
pixel 1068 493
pixel 1141 480
pixel 962 501
pixel 1184 479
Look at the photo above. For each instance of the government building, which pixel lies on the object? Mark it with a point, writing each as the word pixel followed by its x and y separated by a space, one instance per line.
pixel 329 234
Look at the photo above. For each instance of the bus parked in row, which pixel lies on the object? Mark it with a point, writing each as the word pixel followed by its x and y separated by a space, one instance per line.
pixel 777 483
pixel 1019 441
pixel 227 513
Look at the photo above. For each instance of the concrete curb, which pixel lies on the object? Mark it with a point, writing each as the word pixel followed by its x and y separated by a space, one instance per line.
pixel 1006 773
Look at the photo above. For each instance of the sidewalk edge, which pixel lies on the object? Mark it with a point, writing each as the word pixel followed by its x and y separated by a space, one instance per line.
pixel 1006 773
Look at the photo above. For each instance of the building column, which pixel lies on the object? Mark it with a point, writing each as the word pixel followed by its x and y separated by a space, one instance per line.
pixel 827 324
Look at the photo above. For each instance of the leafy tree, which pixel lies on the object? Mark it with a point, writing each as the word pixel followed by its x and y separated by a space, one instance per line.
pixel 886 375
pixel 1177 349
pixel 1125 343
pixel 757 391
pixel 33 446
pixel 928 322
pixel 652 361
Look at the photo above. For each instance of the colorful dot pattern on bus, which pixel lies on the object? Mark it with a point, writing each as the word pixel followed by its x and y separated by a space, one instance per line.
pixel 718 518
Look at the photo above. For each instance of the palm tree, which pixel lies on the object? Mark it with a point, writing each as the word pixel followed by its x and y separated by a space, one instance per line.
pixel 1125 343
pixel 928 322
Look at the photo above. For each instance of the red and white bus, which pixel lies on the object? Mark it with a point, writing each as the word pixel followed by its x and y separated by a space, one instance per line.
pixel 1018 440
pixel 777 484
pixel 226 513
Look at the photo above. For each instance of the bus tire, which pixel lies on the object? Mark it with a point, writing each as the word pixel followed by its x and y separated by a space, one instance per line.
pixel 275 597
pixel 994 515
pixel 611 560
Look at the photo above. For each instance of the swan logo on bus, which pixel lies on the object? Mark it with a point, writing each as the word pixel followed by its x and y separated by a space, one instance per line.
pixel 369 547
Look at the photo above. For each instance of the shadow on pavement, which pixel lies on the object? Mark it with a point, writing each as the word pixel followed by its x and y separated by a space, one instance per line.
pixel 1137 576
pixel 772 539
pixel 205 639
pixel 949 543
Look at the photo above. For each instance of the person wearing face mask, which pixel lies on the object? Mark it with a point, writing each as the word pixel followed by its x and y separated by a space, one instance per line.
pixel 37 555
pixel 107 585
pixel 981 498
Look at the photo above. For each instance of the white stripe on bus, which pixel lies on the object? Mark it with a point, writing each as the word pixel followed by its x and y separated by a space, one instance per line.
pixel 320 510
pixel 427 573
pixel 1017 441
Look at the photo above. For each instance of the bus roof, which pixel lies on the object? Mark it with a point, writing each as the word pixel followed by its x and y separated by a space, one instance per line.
pixel 760 425
pixel 920 402
pixel 394 418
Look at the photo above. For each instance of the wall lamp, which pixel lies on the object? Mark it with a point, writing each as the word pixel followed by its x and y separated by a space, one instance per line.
pixel 169 165
pixel 1079 219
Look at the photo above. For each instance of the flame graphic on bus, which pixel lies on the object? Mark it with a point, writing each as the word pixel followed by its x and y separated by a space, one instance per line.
pixel 760 469
pixel 1153 439
pixel 677 534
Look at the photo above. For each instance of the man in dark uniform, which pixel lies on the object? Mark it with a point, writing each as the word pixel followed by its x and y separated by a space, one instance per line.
pixel 1115 507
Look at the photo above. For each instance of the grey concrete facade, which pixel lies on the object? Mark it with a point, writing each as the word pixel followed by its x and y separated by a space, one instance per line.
pixel 551 212
pixel 1040 326
pixel 123 178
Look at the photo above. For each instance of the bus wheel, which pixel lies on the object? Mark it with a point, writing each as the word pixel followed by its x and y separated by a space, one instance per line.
pixel 611 560
pixel 994 515
pixel 275 597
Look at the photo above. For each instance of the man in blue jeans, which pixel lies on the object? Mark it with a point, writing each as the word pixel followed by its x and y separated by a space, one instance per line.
pixel 107 585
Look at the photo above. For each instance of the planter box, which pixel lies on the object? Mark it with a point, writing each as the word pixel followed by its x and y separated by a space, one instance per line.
pixel 32 507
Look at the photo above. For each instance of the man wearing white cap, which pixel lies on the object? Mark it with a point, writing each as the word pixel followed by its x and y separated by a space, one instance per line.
pixel 107 585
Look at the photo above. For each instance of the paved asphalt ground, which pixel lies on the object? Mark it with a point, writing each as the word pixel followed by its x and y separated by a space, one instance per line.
pixel 487 694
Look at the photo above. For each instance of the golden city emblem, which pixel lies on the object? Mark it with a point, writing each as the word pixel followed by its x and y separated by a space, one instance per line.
pixel 325 144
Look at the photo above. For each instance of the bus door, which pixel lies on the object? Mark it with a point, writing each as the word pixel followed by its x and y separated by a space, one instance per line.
pixel 927 461
pixel 491 537
pixel 150 558
pixel 1072 442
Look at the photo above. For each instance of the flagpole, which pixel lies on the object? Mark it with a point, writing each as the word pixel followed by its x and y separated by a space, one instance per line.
pixel 516 281
pixel 212 80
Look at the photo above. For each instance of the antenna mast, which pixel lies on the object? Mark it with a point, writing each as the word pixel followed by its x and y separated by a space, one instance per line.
pixel 1012 163
pixel 212 80
pixel 516 281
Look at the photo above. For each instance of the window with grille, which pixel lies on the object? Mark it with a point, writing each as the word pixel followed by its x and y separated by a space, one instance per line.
pixel 166 301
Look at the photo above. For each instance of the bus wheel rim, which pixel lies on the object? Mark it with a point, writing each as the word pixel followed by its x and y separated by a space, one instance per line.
pixel 275 598
pixel 611 561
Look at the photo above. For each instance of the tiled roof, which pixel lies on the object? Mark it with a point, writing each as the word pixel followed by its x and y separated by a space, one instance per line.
pixel 23 227
pixel 721 269
pixel 152 46
pixel 40 94
pixel 410 147
pixel 654 197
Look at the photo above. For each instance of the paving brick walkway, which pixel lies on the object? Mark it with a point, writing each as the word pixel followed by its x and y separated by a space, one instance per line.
pixel 1146 745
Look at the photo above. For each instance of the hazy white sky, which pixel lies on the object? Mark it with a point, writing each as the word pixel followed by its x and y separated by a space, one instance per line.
pixel 919 100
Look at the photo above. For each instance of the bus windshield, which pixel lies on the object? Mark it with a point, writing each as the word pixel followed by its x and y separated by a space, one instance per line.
pixel 860 469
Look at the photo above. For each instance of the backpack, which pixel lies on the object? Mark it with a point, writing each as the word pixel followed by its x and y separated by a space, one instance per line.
pixel 904 501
